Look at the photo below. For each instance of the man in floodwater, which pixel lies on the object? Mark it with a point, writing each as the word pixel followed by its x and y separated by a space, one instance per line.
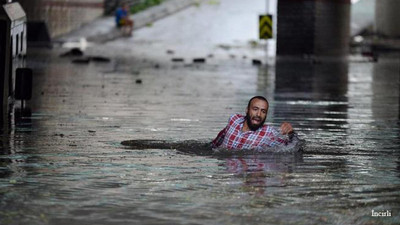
pixel 249 132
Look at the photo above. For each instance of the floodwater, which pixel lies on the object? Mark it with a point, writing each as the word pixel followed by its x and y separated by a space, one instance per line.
pixel 62 161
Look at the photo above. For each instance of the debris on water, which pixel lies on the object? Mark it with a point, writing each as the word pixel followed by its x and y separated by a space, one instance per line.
pixel 225 47
pixel 171 52
pixel 138 81
pixel 256 62
pixel 178 60
pixel 372 56
pixel 13 181
pixel 87 59
pixel 84 60
pixel 91 131
pixel 135 72
pixel 199 60
pixel 73 52
pixel 253 43
pixel 232 56
pixel 210 55
pixel 244 57
pixel 157 66
pixel 99 59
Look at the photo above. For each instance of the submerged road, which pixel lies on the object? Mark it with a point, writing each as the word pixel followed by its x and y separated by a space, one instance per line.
pixel 62 162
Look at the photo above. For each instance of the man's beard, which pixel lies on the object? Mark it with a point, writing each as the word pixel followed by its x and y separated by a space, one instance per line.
pixel 252 126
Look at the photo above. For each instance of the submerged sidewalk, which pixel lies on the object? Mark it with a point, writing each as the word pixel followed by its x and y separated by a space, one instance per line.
pixel 104 29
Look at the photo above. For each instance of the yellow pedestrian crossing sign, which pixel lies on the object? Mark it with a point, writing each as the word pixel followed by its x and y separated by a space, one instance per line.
pixel 265 26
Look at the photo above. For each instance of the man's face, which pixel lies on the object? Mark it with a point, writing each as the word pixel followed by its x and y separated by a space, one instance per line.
pixel 256 114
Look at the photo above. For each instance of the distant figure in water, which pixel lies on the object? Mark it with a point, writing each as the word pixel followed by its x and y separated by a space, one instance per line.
pixel 249 132
pixel 123 21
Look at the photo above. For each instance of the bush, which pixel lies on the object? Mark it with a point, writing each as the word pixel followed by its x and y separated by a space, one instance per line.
pixel 144 5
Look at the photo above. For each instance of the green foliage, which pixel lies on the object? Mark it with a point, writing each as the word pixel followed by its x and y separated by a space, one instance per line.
pixel 144 5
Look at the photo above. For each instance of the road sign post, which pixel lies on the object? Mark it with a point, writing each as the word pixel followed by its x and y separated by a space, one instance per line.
pixel 265 26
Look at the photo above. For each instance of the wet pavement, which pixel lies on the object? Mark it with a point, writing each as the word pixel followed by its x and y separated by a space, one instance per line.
pixel 62 162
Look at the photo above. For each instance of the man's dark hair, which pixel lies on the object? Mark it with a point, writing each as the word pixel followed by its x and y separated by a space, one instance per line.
pixel 257 97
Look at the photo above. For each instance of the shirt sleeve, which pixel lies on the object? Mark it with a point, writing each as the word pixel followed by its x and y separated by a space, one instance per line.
pixel 274 138
pixel 219 139
pixel 221 135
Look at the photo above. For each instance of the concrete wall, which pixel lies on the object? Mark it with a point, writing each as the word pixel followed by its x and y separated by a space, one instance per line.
pixel 62 16
pixel 387 20
pixel 332 28
pixel 295 29
pixel 313 27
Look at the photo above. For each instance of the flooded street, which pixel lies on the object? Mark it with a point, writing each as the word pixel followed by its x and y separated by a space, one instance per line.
pixel 62 162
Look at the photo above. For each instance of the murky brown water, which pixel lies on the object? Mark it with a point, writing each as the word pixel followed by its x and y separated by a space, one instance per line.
pixel 64 164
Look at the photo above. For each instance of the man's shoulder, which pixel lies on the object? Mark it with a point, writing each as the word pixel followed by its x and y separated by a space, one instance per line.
pixel 235 117
pixel 268 129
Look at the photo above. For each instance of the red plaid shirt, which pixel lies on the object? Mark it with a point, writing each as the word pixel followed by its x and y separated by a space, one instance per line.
pixel 232 137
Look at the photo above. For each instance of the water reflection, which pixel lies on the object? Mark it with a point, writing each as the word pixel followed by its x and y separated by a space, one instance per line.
pixel 262 171
pixel 385 90
pixel 12 142
pixel 23 120
pixel 316 89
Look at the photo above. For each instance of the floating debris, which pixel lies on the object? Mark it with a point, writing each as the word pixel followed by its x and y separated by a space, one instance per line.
pixel 199 60
pixel 135 72
pixel 99 59
pixel 171 52
pixel 225 47
pixel 178 60
pixel 72 52
pixel 256 62
pixel 138 81
pixel 253 43
pixel 84 60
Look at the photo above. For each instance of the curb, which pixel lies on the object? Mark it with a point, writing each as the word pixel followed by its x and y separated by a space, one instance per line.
pixel 104 29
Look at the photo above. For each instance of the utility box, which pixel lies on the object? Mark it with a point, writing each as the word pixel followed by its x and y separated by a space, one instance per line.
pixel 13 44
